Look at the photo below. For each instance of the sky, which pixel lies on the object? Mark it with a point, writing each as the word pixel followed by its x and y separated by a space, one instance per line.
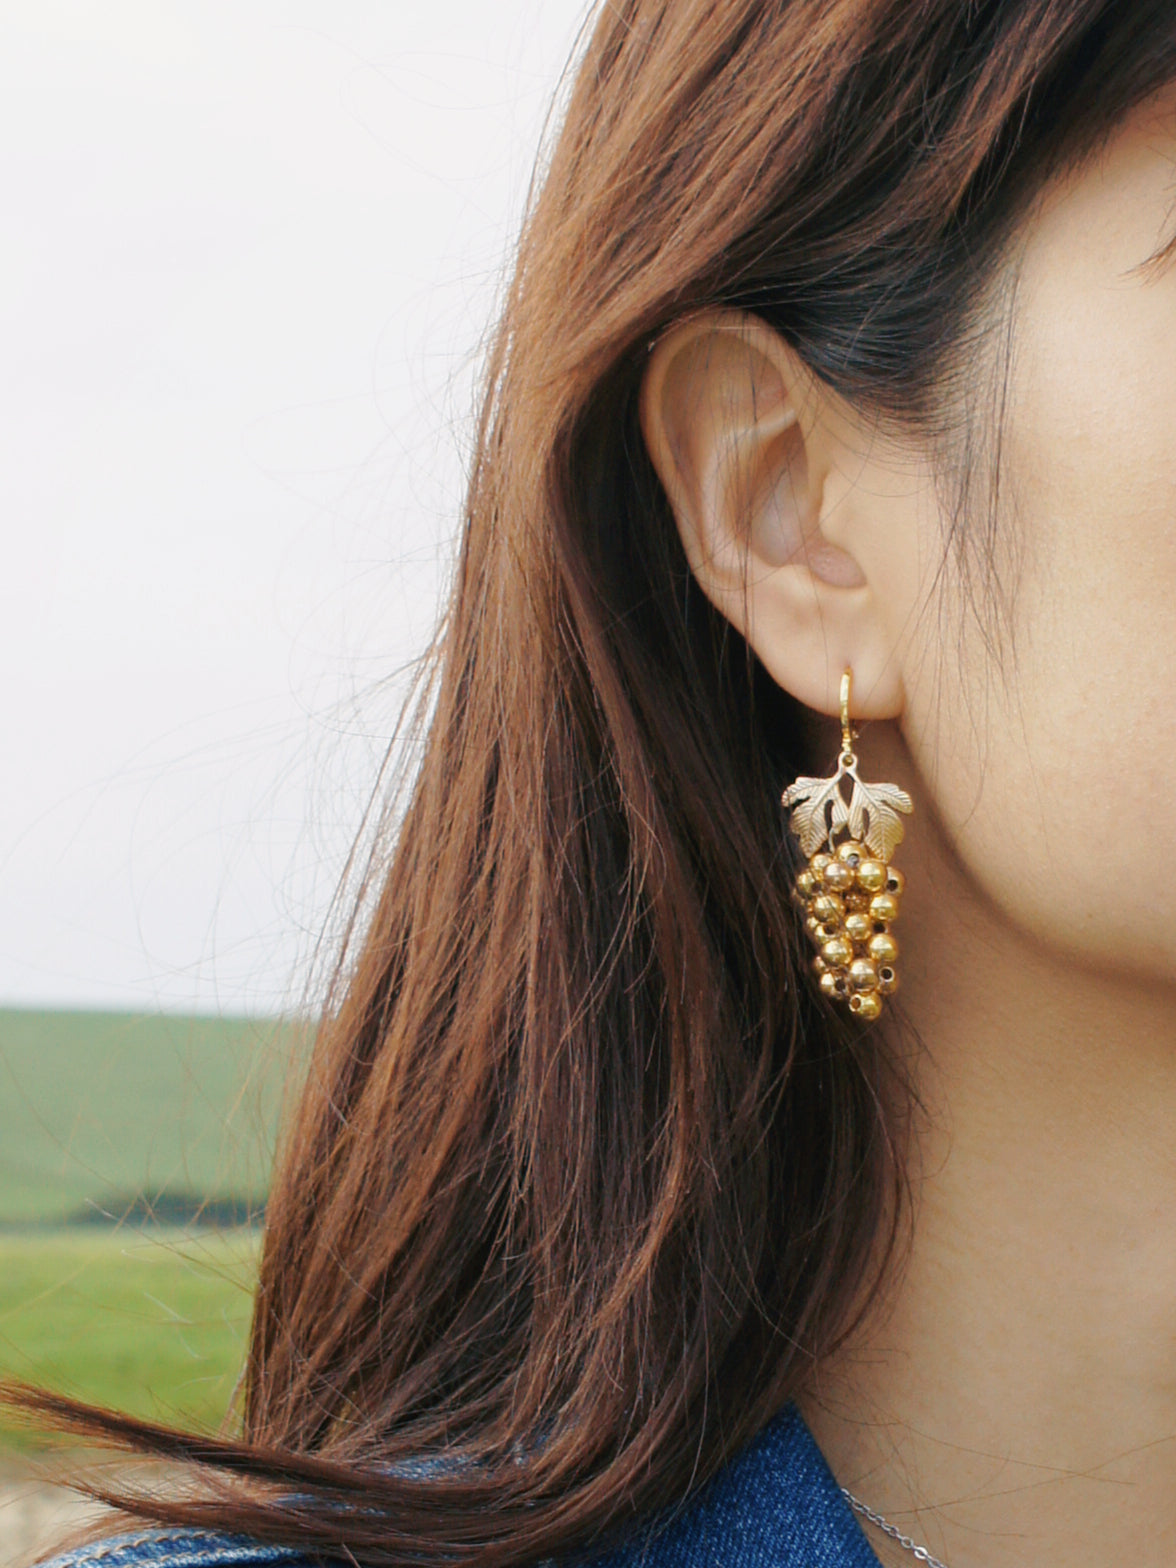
pixel 250 249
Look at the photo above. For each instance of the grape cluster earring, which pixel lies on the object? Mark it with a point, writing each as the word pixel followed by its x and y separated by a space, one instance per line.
pixel 849 891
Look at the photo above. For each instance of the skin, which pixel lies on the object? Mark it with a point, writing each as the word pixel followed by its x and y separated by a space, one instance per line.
pixel 1012 1397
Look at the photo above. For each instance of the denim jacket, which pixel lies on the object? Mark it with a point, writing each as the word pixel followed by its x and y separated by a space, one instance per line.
pixel 776 1505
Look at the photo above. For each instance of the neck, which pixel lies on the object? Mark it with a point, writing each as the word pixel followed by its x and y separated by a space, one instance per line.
pixel 1012 1397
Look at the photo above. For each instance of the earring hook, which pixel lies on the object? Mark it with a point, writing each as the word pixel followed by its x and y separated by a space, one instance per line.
pixel 848 735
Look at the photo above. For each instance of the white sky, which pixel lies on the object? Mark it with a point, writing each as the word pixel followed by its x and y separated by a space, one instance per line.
pixel 247 251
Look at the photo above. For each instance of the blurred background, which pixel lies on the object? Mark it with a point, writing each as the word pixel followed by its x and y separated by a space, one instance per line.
pixel 250 251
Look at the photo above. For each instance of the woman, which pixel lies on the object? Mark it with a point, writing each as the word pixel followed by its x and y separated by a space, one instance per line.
pixel 842 342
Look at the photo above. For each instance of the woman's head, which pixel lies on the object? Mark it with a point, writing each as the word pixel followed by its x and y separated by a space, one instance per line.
pixel 1002 579
pixel 586 1178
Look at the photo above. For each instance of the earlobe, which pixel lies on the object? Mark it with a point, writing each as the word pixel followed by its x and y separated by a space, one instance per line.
pixel 736 427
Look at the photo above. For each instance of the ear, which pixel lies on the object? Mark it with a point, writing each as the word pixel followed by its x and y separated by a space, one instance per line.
pixel 765 472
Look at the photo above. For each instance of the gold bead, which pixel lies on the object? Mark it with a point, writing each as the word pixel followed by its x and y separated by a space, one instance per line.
pixel 806 883
pixel 851 853
pixel 887 980
pixel 862 975
pixel 866 1004
pixel 829 983
pixel 818 863
pixel 883 948
pixel 837 952
pixel 858 926
pixel 895 881
pixel 828 909
pixel 856 900
pixel 820 967
pixel 884 907
pixel 871 875
pixel 837 877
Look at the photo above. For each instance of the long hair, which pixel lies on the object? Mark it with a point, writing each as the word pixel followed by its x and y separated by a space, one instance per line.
pixel 586 1178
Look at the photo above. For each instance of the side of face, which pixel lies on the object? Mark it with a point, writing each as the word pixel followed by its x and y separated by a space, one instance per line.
pixel 1037 728
pixel 1056 775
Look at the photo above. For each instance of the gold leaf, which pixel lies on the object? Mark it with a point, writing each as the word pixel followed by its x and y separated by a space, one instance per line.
pixel 808 799
pixel 873 815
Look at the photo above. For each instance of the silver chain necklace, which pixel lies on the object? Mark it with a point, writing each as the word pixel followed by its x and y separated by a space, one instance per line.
pixel 895 1534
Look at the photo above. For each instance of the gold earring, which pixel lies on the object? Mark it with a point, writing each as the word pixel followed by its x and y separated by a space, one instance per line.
pixel 849 891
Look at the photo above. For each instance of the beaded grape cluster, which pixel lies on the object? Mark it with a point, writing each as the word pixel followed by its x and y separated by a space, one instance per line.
pixel 849 890
pixel 850 900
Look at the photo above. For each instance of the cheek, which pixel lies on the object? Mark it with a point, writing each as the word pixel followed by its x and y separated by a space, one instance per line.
pixel 1052 747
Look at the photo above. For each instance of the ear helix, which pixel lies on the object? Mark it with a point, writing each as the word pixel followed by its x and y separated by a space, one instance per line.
pixel 849 891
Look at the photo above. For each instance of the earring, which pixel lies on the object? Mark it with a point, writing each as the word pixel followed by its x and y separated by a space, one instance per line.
pixel 849 890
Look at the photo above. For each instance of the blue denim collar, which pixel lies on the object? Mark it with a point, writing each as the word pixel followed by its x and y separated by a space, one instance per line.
pixel 179 1548
pixel 776 1505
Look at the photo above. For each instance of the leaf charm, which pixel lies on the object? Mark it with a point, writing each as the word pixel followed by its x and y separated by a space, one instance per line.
pixel 873 815
pixel 808 799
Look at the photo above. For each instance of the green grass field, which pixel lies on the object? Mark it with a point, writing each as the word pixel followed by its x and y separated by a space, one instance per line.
pixel 148 1322
pixel 114 1113
pixel 97 1109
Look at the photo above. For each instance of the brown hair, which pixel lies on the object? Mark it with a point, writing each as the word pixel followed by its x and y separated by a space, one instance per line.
pixel 585 1177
